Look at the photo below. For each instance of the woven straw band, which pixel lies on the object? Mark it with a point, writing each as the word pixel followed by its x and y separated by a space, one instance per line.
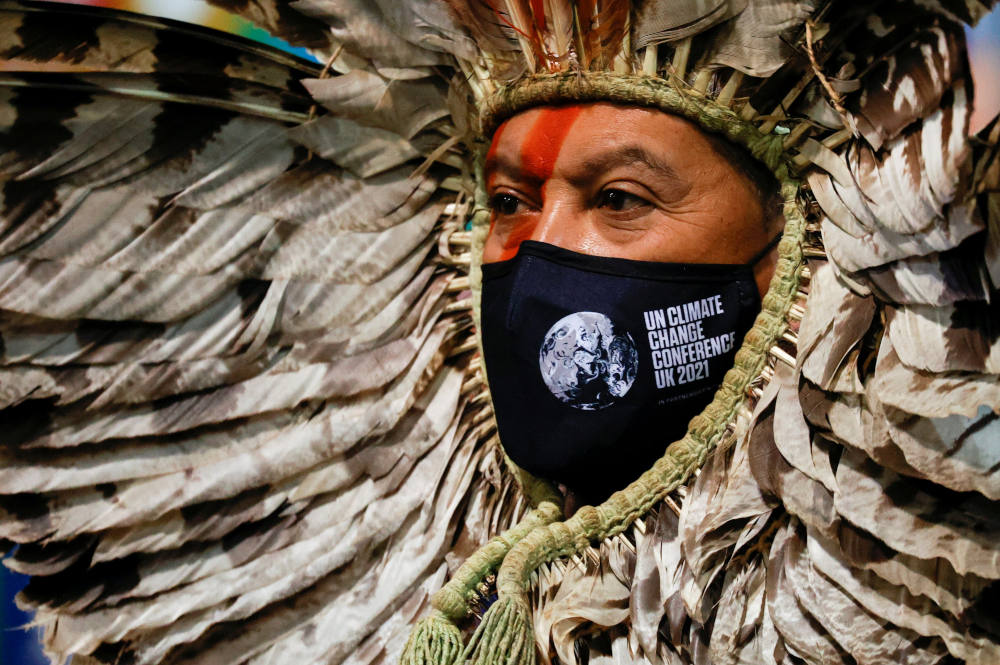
pixel 646 91
pixel 504 636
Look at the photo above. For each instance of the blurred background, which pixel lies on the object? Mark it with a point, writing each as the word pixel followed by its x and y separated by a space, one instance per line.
pixel 18 641
pixel 197 12
pixel 984 55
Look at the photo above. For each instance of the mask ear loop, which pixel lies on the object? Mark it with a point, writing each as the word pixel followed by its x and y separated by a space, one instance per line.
pixel 759 256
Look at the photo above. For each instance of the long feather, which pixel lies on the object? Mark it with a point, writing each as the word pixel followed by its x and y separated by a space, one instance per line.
pixel 555 19
pixel 519 16
pixel 871 498
pixel 867 638
pixel 174 252
pixel 896 606
pixel 794 625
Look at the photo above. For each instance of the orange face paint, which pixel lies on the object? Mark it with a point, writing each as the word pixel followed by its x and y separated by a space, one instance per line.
pixel 541 146
pixel 539 152
pixel 513 241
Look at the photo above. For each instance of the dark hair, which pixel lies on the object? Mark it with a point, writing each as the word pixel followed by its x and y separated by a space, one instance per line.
pixel 764 183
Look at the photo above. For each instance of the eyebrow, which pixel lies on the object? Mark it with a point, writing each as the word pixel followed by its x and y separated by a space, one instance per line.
pixel 500 164
pixel 628 155
pixel 625 155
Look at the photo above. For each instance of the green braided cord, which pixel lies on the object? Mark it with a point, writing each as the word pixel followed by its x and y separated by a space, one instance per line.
pixel 537 490
pixel 434 640
pixel 506 627
pixel 452 600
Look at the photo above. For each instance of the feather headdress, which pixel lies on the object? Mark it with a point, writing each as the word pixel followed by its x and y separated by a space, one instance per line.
pixel 245 417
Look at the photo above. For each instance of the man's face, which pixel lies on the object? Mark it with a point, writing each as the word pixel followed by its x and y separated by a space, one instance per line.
pixel 624 182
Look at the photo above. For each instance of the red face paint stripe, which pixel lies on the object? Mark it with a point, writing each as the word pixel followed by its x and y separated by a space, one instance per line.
pixel 544 141
pixel 539 152
pixel 513 241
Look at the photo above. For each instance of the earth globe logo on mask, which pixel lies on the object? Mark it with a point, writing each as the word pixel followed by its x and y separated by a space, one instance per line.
pixel 585 363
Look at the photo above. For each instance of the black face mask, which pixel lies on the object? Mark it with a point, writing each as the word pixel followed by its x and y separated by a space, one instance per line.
pixel 597 364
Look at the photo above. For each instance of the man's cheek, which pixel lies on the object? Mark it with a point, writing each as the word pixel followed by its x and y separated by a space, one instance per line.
pixel 503 242
pixel 512 242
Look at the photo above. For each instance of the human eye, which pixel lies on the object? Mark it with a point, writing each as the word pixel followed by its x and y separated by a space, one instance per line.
pixel 618 200
pixel 505 204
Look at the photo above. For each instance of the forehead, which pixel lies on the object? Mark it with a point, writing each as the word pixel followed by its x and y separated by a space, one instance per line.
pixel 594 127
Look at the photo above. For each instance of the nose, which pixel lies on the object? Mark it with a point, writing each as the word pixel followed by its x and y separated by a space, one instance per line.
pixel 557 222
pixel 555 225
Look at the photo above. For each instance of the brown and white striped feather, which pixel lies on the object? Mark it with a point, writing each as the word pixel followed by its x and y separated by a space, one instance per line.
pixel 756 41
pixel 389 34
pixel 931 578
pixel 336 428
pixel 958 337
pixel 943 423
pixel 922 520
pixel 175 251
pixel 665 21
pixel 281 573
pixel 741 610
pixel 387 459
pixel 71 39
pixel 331 201
pixel 426 539
pixel 281 20
pixel 404 107
pixel 834 325
pixel 723 510
pixel 655 586
pixel 296 624
pixel 83 465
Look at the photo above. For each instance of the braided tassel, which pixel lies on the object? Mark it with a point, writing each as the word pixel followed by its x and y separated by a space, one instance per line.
pixel 505 637
pixel 434 640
